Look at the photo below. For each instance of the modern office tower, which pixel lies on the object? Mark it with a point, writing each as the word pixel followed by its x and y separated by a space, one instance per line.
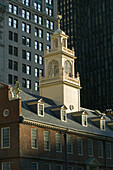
pixel 89 25
pixel 25 28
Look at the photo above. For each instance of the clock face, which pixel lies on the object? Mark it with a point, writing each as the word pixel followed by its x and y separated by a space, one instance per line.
pixel 53 68
pixel 68 68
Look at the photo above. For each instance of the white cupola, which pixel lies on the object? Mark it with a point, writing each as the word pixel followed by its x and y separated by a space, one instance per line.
pixel 59 83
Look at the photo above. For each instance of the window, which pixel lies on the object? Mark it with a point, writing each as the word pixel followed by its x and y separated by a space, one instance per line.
pixel 28 56
pixel 23 13
pixel 15 79
pixel 47 167
pixel 15 23
pixel 58 142
pixel 84 119
pixel 15 10
pixel 10 79
pixel 36 31
pixel 40 33
pixel 102 123
pixel 100 149
pixel 23 27
pixel 28 15
pixel 80 146
pixel 47 23
pixel 23 40
pixel 10 49
pixel 10 8
pixel 23 82
pixel 37 6
pixel 23 68
pixel 40 21
pixel 36 18
pixel 34 138
pixel 10 64
pixel 10 22
pixel 52 25
pixel 26 2
pixel 59 167
pixel 48 36
pixel 15 51
pixel 36 86
pixel 15 37
pixel 63 115
pixel 5 137
pixel 90 147
pixel 28 70
pixel 69 144
pixel 46 140
pixel 36 45
pixel 36 72
pixel 34 166
pixel 108 150
pixel 15 65
pixel 68 68
pixel 28 42
pixel 23 54
pixel 36 58
pixel 40 72
pixel 40 46
pixel 28 84
pixel 5 166
pixel 40 59
pixel 47 11
pixel 10 35
pixel 48 47
pixel 40 109
pixel 50 12
pixel 70 168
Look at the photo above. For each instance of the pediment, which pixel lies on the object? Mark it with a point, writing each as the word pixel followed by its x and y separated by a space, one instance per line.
pixel 93 161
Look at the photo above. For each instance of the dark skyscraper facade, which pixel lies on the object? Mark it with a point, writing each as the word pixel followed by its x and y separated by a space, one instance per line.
pixel 89 25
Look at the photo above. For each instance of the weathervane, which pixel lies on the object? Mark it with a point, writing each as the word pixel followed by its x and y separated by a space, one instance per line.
pixel 59 18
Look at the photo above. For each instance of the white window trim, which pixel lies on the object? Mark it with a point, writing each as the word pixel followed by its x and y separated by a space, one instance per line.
pixel 71 144
pixel 81 146
pixel 36 139
pixel 60 166
pixel 38 109
pixel 61 115
pixel 84 115
pixel 61 143
pixel 2 138
pixel 91 155
pixel 5 162
pixel 49 141
pixel 110 149
pixel 102 122
pixel 36 164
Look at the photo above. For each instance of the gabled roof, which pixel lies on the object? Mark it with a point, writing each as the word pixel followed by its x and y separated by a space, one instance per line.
pixel 50 119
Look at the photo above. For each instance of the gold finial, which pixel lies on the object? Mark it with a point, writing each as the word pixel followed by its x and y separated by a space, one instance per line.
pixel 59 18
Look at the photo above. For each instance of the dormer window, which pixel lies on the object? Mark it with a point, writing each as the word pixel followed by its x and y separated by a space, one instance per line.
pixel 40 108
pixel 63 115
pixel 102 123
pixel 84 119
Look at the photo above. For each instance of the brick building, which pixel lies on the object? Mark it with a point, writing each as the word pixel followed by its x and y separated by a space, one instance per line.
pixel 53 131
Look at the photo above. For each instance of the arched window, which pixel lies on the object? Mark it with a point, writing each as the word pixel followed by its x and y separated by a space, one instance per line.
pixel 68 68
pixel 64 42
pixel 53 68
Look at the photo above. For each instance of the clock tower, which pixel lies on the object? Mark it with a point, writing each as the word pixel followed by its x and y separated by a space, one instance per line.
pixel 59 83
